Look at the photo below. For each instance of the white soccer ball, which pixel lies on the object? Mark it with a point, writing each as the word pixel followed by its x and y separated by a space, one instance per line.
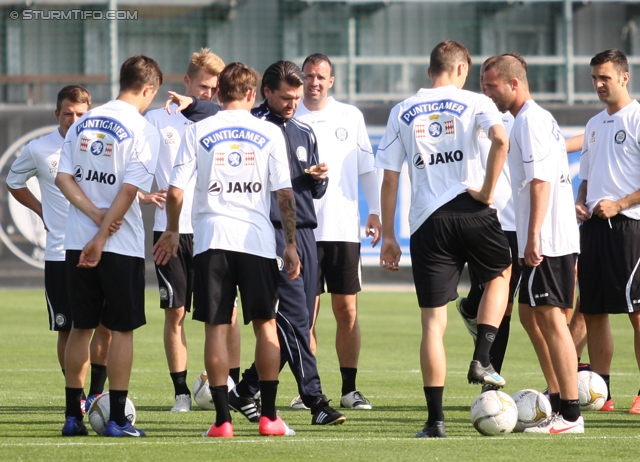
pixel 533 408
pixel 100 410
pixel 494 413
pixel 592 391
pixel 202 393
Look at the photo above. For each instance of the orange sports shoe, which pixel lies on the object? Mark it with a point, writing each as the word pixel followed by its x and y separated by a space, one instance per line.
pixel 635 407
pixel 274 427
pixel 223 431
pixel 608 406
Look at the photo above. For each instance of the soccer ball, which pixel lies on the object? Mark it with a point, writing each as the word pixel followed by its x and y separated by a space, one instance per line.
pixel 100 410
pixel 202 394
pixel 533 407
pixel 592 391
pixel 494 413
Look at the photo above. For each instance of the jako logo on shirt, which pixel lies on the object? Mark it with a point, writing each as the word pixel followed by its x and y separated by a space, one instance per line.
pixel 244 187
pixel 445 157
pixel 104 124
pixel 445 105
pixel 100 177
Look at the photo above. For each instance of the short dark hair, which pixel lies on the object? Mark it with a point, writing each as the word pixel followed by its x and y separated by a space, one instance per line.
pixel 446 55
pixel 317 58
pixel 519 57
pixel 234 82
pixel 614 56
pixel 281 71
pixel 508 67
pixel 138 71
pixel 77 94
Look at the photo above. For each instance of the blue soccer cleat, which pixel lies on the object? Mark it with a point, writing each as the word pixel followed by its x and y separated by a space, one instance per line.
pixel 74 427
pixel 115 430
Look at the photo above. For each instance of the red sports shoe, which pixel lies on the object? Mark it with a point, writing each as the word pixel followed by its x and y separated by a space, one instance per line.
pixel 274 427
pixel 223 431
pixel 608 406
pixel 635 407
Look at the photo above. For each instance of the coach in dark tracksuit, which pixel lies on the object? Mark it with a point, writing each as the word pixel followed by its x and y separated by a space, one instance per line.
pixel 282 87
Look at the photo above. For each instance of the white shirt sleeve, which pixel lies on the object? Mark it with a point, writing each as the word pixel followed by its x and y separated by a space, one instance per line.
pixel 185 165
pixel 279 174
pixel 365 151
pixel 369 182
pixel 23 168
pixel 391 151
pixel 141 165
pixel 487 115
pixel 584 156
pixel 535 146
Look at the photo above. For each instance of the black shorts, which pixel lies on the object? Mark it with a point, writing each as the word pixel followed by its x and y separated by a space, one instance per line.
pixel 175 279
pixel 552 283
pixel 516 267
pixel 111 293
pixel 219 272
pixel 445 242
pixel 609 265
pixel 55 291
pixel 339 265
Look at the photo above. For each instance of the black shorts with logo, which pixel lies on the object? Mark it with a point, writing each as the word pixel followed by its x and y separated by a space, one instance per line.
pixel 175 279
pixel 339 265
pixel 217 275
pixel 552 283
pixel 111 293
pixel 57 296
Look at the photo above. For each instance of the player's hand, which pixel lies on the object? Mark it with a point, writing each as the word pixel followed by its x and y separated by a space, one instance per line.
pixel 157 198
pixel 182 101
pixel 374 228
pixel 606 209
pixel 390 254
pixel 319 171
pixel 532 255
pixel 480 196
pixel 115 226
pixel 291 262
pixel 582 212
pixel 91 254
pixel 166 247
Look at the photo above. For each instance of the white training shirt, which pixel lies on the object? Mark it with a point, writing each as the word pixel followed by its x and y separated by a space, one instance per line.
pixel 40 158
pixel 502 194
pixel 538 151
pixel 610 158
pixel 437 130
pixel 239 160
pixel 171 128
pixel 110 145
pixel 344 145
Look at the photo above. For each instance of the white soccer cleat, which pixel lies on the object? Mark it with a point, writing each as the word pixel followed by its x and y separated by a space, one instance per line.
pixel 182 404
pixel 296 403
pixel 354 400
pixel 556 424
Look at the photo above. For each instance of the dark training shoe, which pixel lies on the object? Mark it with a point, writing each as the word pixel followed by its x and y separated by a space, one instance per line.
pixel 323 414
pixel 248 407
pixel 434 431
pixel 484 375
pixel 114 430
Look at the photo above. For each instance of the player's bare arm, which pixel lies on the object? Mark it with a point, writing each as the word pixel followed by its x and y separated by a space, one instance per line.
pixel 287 206
pixel 182 101
pixel 318 172
pixel 390 252
pixel 158 198
pixel 26 198
pixel 540 191
pixel 582 212
pixel 168 243
pixel 369 183
pixel 92 252
pixel 495 163
pixel 574 143
pixel 608 209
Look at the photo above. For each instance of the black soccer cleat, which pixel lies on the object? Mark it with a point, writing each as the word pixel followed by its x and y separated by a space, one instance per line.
pixel 434 431
pixel 323 414
pixel 484 375
pixel 248 407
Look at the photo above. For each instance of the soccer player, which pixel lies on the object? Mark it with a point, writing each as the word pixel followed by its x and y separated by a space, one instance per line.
pixel 175 279
pixel 40 159
pixel 451 224
pixel 344 145
pixel 107 155
pixel 608 205
pixel 239 160
pixel 548 241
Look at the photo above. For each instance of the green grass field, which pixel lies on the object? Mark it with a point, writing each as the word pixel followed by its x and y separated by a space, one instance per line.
pixel 32 396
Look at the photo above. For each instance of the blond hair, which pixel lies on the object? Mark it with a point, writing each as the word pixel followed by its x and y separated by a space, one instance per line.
pixel 206 60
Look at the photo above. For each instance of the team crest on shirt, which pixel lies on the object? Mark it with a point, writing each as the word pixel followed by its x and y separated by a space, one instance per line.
pixel 234 158
pixel 435 129
pixel 418 161
pixel 620 137
pixel 169 138
pixel 215 187
pixel 592 138
pixel 53 166
pixel 61 320
pixel 97 147
pixel 342 134
pixel 301 152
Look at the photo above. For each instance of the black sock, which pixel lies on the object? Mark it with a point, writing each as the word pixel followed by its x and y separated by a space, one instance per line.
pixel 486 337
pixel 499 347
pixel 180 383
pixel 234 373
pixel 220 395
pixel 433 396
pixel 554 399
pixel 98 379
pixel 570 409
pixel 268 391
pixel 607 380
pixel 117 400
pixel 472 303
pixel 348 379
pixel 72 402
